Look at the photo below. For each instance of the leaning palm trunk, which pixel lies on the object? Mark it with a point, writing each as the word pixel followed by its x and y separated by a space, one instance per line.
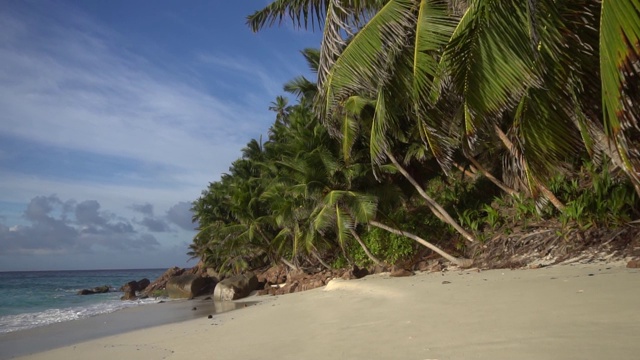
pixel 289 264
pixel 543 189
pixel 317 256
pixel 453 259
pixel 364 247
pixel 265 239
pixel 437 210
pixel 606 146
pixel 491 178
pixel 469 172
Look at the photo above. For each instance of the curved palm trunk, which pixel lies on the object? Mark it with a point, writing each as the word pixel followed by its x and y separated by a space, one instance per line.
pixel 549 195
pixel 606 145
pixel 364 247
pixel 267 243
pixel 315 255
pixel 453 259
pixel 491 178
pixel 437 210
pixel 289 264
pixel 470 172
pixel 543 189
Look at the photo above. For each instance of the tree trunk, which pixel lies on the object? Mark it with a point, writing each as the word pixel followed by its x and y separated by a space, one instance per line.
pixel 606 146
pixel 551 196
pixel 437 210
pixel 470 173
pixel 453 259
pixel 491 178
pixel 267 243
pixel 364 247
pixel 543 189
pixel 290 265
pixel 315 255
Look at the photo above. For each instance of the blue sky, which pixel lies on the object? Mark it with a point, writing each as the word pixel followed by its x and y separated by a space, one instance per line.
pixel 117 114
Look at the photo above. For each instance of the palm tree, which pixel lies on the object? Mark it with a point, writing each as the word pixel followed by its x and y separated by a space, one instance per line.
pixel 362 67
pixel 281 108
pixel 525 62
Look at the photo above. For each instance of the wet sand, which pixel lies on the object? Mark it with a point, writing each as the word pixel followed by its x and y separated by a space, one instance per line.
pixel 67 333
pixel 561 312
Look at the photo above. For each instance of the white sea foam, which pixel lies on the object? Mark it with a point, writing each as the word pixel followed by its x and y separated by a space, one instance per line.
pixel 10 323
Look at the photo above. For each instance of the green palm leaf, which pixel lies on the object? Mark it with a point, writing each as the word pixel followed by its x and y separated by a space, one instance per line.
pixel 433 30
pixel 620 73
pixel 301 12
pixel 490 58
pixel 344 224
pixel 361 64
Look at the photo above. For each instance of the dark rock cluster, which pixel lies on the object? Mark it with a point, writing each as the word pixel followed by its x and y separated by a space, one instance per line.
pixel 132 287
pixel 276 280
pixel 96 290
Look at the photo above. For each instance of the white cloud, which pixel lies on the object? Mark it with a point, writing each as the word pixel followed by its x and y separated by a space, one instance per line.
pixel 78 90
pixel 57 226
pixel 245 68
pixel 17 188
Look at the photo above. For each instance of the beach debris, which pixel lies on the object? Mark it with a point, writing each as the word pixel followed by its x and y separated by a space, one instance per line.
pixel 446 282
pixel 194 308
pixel 299 281
pixel 355 273
pixel 634 264
pixel 274 275
pixel 401 273
pixel 378 269
pixel 209 316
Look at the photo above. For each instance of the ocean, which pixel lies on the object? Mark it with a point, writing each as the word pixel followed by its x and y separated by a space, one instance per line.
pixel 30 299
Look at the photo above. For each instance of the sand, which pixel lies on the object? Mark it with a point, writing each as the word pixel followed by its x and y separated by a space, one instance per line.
pixel 562 312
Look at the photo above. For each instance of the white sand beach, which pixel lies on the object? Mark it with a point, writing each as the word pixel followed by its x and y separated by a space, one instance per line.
pixel 562 312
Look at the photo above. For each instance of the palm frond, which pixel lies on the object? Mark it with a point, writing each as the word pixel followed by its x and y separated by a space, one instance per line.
pixel 343 225
pixel 547 134
pixel 301 87
pixel 359 66
pixel 434 27
pixel 620 73
pixel 302 13
pixel 490 58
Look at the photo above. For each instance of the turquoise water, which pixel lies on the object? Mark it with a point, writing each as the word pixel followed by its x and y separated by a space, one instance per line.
pixel 35 298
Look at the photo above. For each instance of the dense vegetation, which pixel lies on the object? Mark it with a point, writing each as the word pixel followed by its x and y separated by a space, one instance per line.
pixel 435 123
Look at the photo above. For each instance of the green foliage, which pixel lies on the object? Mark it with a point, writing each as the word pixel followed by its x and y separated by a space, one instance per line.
pixel 388 247
pixel 340 262
pixel 159 293
pixel 525 209
pixel 470 218
pixel 608 201
pixel 505 83
pixel 492 216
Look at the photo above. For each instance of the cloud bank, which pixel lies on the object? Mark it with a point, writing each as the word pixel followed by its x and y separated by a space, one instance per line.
pixel 56 226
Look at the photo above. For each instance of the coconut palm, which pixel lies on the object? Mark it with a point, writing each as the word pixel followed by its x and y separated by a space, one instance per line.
pixel 528 63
